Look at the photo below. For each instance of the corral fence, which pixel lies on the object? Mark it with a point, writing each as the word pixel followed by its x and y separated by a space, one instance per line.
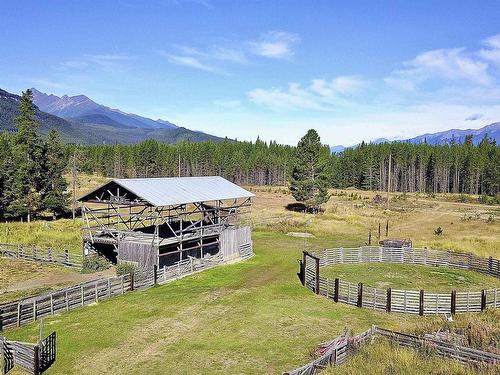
pixel 337 351
pixel 398 300
pixel 47 255
pixel 28 310
pixel 34 358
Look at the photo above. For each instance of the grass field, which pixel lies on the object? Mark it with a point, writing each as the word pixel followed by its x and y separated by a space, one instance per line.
pixel 254 317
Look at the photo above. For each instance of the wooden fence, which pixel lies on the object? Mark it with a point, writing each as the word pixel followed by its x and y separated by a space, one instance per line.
pixel 336 352
pixel 33 253
pixel 398 300
pixel 34 358
pixel 28 310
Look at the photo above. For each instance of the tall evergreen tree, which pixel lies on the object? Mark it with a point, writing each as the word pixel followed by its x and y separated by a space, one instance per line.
pixel 54 194
pixel 310 177
pixel 23 192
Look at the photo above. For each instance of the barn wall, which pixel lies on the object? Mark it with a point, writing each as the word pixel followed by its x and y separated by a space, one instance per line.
pixel 232 240
pixel 144 255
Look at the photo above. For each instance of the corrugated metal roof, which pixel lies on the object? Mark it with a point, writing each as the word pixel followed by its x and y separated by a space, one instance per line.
pixel 181 190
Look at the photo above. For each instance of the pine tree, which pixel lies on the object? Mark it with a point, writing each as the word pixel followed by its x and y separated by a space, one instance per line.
pixel 310 177
pixel 54 194
pixel 23 190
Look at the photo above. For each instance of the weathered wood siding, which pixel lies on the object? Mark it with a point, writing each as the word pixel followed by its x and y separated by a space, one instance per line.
pixel 235 243
pixel 143 255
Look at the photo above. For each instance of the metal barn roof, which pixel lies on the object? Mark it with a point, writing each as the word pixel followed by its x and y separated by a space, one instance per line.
pixel 171 191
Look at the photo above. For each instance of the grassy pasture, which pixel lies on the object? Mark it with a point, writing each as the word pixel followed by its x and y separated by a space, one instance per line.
pixel 253 317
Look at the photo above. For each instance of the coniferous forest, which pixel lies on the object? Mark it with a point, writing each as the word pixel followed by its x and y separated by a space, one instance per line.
pixel 32 169
pixel 458 168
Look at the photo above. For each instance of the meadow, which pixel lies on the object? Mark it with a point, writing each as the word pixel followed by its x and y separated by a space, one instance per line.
pixel 254 317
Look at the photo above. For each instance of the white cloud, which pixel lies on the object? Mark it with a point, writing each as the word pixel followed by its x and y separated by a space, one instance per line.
pixel 442 64
pixel 294 97
pixel 189 61
pixel 474 117
pixel 492 52
pixel 343 85
pixel 275 44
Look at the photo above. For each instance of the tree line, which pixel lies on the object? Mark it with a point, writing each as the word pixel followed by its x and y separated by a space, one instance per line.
pixel 31 170
pixel 457 168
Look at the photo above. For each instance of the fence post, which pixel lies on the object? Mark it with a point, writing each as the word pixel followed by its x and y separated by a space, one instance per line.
pixel 36 360
pixel 483 299
pixel 336 290
pixel 387 228
pixel 132 281
pixel 317 275
pixel 360 295
pixel 490 264
pixel 388 302
pixel 66 257
pixel 453 301
pixel 1 325
pixel 421 303
pixel 155 272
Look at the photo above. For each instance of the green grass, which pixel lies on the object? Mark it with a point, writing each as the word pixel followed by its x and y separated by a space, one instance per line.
pixel 60 235
pixel 411 277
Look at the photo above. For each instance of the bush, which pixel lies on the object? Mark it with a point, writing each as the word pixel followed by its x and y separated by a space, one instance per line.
pixel 125 269
pixel 438 231
pixel 95 263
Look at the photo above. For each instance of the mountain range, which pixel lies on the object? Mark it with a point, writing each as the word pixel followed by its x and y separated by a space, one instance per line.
pixel 444 137
pixel 81 120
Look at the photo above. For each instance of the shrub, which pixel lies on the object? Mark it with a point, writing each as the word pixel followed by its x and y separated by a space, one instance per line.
pixel 438 231
pixel 95 263
pixel 125 269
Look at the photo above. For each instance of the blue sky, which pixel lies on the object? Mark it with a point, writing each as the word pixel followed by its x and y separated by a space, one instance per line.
pixel 352 70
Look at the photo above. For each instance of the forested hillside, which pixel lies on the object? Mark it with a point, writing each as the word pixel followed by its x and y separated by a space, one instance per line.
pixel 424 168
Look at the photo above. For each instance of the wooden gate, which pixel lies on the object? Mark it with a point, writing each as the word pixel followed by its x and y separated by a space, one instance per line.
pixel 47 352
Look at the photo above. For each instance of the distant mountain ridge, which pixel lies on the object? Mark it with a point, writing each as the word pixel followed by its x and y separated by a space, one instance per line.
pixel 76 107
pixel 444 137
pixel 94 127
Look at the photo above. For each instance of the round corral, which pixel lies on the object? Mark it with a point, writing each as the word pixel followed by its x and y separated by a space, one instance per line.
pixel 418 299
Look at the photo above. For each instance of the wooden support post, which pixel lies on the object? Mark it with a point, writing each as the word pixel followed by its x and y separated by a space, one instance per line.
pixel 34 309
pixel 83 295
pixel 336 290
pixel 360 295
pixel 155 274
pixel 483 300
pixel 131 281
pixel 36 360
pixel 66 257
pixel 19 314
pixel 389 298
pixel 378 230
pixel 67 301
pixel 387 228
pixel 317 275
pixel 370 237
pixel 490 265
pixel 96 290
pixel 453 308
pixel 421 303
pixel 109 287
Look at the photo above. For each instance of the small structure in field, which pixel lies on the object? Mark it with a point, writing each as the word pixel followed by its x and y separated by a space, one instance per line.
pixel 161 221
pixel 396 243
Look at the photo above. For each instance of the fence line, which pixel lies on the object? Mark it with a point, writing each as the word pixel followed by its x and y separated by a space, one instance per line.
pixel 34 358
pixel 336 352
pixel 48 255
pixel 28 310
pixel 398 300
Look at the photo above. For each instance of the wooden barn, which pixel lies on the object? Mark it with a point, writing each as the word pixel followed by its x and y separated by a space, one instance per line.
pixel 162 221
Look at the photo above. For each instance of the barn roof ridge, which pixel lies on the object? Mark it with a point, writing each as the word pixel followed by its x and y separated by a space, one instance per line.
pixel 169 191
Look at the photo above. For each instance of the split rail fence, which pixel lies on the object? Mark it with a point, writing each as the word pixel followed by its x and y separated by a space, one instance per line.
pixel 28 310
pixel 33 253
pixel 398 300
pixel 336 352
pixel 34 358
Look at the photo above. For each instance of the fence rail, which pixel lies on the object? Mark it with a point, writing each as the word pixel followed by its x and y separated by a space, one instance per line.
pixel 336 352
pixel 398 300
pixel 33 358
pixel 48 255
